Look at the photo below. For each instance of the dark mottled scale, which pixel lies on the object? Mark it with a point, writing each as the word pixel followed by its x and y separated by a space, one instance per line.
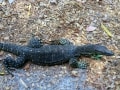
pixel 11 48
pixel 50 54
pixel 35 43
pixel 10 62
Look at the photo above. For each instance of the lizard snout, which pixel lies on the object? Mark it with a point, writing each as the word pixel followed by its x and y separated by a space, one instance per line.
pixel 110 53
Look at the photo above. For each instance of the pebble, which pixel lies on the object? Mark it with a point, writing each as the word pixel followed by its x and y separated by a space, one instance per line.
pixel 53 2
pixel 1 53
pixel 27 74
pixel 3 2
pixel 7 88
pixel 82 1
pixel 106 18
pixel 1 59
pixel 0 1
pixel 49 85
pixel 11 1
pixel 64 67
pixel 42 4
pixel 53 82
pixel 1 26
pixel 33 84
pixel 22 40
pixel 118 57
pixel 118 37
pixel 60 75
pixel 6 38
pixel 75 73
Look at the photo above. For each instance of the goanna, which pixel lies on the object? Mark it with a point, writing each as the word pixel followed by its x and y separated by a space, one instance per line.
pixel 50 54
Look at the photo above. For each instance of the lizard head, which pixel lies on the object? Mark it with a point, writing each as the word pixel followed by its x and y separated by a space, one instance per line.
pixel 101 50
pixel 93 49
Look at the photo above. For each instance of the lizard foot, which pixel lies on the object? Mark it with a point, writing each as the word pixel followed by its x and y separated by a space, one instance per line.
pixel 7 64
pixel 75 64
pixel 61 41
pixel 82 64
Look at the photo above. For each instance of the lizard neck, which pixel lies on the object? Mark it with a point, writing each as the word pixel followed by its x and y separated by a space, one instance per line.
pixel 85 50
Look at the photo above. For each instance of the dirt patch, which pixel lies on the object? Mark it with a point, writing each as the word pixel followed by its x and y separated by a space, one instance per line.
pixel 63 19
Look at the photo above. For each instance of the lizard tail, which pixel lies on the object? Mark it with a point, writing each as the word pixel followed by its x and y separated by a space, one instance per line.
pixel 11 48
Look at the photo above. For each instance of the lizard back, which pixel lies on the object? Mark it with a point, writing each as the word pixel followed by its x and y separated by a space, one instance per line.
pixel 52 54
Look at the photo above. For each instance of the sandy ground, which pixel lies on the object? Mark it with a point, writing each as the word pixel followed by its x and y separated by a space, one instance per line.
pixel 71 19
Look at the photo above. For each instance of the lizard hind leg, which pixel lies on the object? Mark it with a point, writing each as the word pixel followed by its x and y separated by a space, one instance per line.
pixel 9 63
pixel 61 41
pixel 75 64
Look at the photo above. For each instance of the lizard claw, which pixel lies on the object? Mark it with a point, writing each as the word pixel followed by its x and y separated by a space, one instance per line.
pixel 6 64
pixel 83 64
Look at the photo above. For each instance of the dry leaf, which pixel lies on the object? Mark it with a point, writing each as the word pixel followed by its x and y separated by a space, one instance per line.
pixel 91 28
pixel 106 30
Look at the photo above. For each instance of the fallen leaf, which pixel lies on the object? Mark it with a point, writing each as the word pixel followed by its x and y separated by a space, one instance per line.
pixel 91 28
pixel 106 30
pixel 27 66
pixel 2 73
pixel 29 9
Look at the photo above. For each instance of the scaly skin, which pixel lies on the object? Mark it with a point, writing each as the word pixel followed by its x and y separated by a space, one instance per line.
pixel 50 54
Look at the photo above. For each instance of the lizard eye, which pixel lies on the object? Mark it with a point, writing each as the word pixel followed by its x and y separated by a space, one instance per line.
pixel 100 49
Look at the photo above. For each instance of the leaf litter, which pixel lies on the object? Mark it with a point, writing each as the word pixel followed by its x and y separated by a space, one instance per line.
pixel 67 19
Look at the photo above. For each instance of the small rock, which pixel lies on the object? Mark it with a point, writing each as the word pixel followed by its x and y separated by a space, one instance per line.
pixel 42 4
pixel 53 2
pixel 106 18
pixel 82 1
pixel 115 62
pixel 11 1
pixel 75 73
pixel 7 88
pixel 53 82
pixel 118 57
pixel 22 40
pixel 0 1
pixel 1 53
pixel 27 74
pixel 60 75
pixel 6 38
pixel 27 66
pixel 1 59
pixel 33 84
pixel 3 2
pixel 118 37
pixel 64 67
pixel 49 85
pixel 1 26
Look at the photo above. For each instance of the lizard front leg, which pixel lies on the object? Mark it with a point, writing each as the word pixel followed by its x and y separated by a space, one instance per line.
pixel 35 42
pixel 74 63
pixel 61 41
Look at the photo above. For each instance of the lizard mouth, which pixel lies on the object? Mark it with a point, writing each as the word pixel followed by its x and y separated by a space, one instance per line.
pixel 110 54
